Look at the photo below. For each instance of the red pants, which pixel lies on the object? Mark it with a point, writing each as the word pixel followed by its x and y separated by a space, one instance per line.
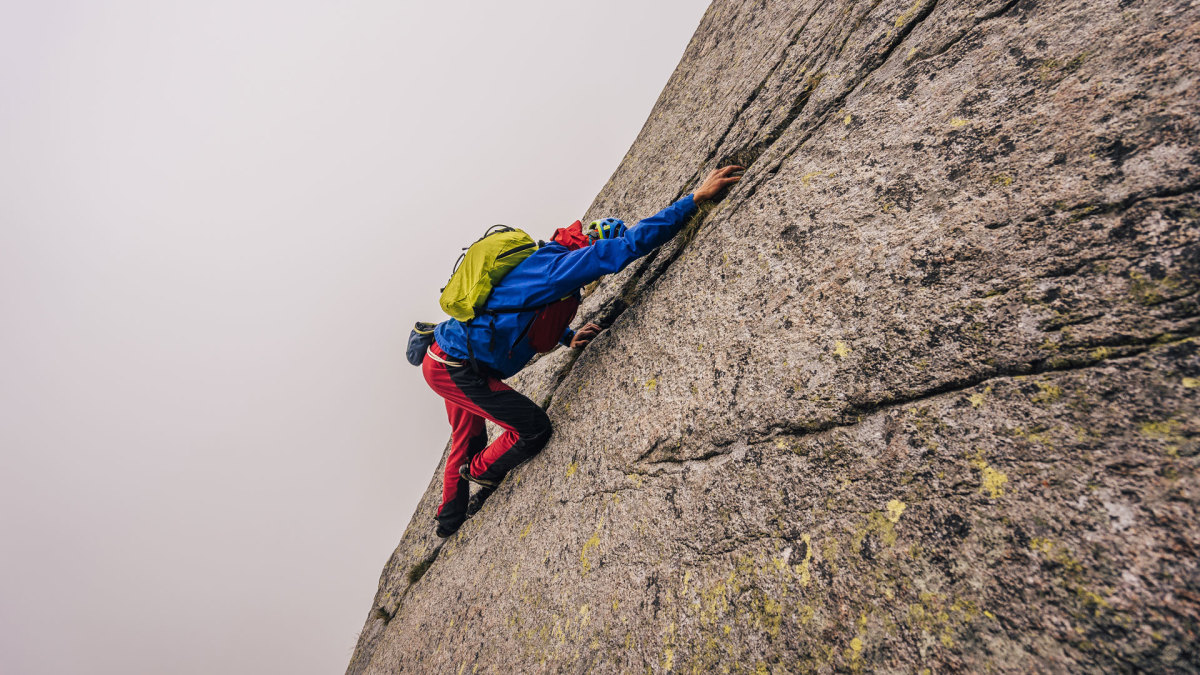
pixel 472 397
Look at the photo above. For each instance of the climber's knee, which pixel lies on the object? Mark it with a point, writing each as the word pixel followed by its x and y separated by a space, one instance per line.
pixel 539 434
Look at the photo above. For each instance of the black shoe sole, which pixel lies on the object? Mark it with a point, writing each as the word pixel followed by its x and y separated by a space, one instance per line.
pixel 464 471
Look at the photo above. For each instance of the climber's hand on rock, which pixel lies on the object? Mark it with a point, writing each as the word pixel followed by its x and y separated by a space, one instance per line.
pixel 718 180
pixel 584 335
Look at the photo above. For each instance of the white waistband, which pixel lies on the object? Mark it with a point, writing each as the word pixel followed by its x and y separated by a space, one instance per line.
pixel 435 357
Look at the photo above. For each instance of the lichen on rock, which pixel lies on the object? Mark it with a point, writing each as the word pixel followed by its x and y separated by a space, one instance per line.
pixel 919 394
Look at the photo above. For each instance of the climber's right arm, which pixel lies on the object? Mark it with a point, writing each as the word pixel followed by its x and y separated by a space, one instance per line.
pixel 609 256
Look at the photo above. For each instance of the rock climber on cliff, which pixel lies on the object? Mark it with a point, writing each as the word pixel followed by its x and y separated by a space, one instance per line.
pixel 467 361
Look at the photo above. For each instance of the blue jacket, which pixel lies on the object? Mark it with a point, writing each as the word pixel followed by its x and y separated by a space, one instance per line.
pixel 553 272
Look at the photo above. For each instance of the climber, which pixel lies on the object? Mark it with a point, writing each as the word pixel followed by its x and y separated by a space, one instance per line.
pixel 469 374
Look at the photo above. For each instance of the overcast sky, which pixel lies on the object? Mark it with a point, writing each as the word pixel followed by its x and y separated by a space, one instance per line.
pixel 218 221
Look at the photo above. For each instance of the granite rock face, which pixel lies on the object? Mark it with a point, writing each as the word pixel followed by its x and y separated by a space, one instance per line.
pixel 920 394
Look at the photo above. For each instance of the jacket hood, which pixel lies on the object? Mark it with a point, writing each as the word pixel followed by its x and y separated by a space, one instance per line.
pixel 571 236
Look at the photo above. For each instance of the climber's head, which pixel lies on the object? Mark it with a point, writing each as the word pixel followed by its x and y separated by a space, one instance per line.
pixel 607 228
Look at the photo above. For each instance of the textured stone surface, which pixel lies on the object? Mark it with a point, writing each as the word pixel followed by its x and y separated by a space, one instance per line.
pixel 922 392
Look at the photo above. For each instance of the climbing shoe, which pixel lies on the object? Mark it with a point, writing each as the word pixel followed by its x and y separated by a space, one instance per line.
pixel 464 471
pixel 478 499
pixel 448 523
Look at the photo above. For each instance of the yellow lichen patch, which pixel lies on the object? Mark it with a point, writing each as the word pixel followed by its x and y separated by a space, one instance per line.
pixel 584 615
pixel 651 384
pixel 1101 353
pixel 957 122
pixel 856 646
pixel 840 349
pixel 906 15
pixel 895 508
pixel 1148 291
pixel 803 567
pixel 990 481
pixel 830 552
pixel 1093 598
pixel 590 545
pixel 771 617
pixel 712 603
pixel 572 468
pixel 1191 382
pixel 879 524
pixel 1002 179
pixel 668 660
pixel 1041 436
pixel 806 614
pixel 804 180
pixel 1164 429
pixel 847 119
pixel 1048 393
pixel 934 616
pixel 525 532
pixel 978 397
pixel 1058 553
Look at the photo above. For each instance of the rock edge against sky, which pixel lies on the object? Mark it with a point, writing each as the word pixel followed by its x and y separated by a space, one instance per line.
pixel 920 393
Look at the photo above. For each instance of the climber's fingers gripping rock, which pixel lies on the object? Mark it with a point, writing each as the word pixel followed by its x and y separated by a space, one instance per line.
pixel 717 180
pixel 584 335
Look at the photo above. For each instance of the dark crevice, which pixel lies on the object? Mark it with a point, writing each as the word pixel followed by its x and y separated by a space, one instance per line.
pixel 837 102
pixel 996 13
pixel 1059 323
pixel 726 546
pixel 418 570
pixel 653 447
pixel 1071 270
pixel 857 24
pixel 1089 209
pixel 713 453
pixel 381 613
pixel 609 313
pixel 562 374
pixel 748 155
pixel 754 94
pixel 853 414
pixel 414 574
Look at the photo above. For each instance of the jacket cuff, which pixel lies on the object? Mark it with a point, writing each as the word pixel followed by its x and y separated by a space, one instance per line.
pixel 567 337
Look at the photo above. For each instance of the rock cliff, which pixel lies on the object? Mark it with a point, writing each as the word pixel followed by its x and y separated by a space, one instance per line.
pixel 919 395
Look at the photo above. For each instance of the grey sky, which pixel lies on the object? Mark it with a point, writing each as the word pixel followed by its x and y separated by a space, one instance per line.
pixel 217 223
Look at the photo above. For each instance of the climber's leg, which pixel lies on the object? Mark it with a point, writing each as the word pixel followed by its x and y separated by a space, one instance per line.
pixel 526 426
pixel 468 436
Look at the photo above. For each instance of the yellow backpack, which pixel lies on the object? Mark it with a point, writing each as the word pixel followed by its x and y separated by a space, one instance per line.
pixel 483 265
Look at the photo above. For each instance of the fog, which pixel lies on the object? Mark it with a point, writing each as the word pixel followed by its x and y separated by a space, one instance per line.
pixel 218 222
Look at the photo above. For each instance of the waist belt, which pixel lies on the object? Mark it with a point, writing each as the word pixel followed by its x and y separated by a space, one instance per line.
pixel 447 362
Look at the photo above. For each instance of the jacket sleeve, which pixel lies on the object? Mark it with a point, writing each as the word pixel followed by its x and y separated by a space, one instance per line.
pixel 607 256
